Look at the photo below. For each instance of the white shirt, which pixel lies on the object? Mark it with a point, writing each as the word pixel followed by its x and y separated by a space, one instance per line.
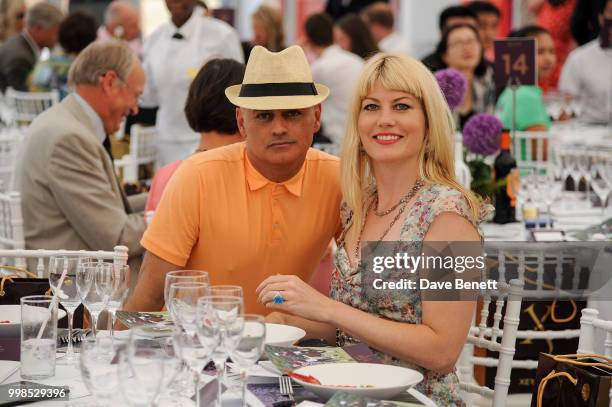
pixel 587 74
pixel 339 70
pixel 171 64
pixel 93 116
pixel 394 43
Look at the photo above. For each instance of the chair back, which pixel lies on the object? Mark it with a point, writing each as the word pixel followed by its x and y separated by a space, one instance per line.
pixel 11 222
pixel 25 106
pixel 589 324
pixel 143 150
pixel 10 139
pixel 18 258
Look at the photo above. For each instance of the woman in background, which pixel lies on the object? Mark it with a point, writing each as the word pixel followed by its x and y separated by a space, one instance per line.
pixel 398 184
pixel 267 24
pixel 352 34
pixel 460 48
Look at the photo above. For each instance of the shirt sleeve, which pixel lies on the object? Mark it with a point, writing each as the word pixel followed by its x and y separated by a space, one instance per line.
pixel 530 109
pixel 149 95
pixel 175 228
pixel 569 81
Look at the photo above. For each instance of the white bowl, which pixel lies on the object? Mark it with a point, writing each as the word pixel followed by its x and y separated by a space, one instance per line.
pixel 283 335
pixel 377 381
pixel 12 314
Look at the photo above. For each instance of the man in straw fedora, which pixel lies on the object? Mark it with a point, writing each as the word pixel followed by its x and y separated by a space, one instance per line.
pixel 267 206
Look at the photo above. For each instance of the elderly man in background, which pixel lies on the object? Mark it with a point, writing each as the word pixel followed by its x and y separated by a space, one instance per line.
pixel 381 22
pixel 71 198
pixel 173 55
pixel 121 22
pixel 250 210
pixel 19 54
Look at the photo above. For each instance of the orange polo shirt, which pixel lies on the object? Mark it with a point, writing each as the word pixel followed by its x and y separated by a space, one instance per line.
pixel 220 215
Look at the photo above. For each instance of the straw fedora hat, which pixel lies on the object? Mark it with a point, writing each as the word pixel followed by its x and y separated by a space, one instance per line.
pixel 277 80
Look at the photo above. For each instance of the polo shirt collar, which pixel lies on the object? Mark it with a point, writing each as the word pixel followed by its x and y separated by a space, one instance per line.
pixel 257 181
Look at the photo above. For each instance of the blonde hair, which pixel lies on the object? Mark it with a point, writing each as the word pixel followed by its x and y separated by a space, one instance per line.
pixel 436 159
pixel 272 20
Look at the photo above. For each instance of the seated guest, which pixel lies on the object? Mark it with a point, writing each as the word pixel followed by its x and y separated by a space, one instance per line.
pixel 380 20
pixel 250 210
pixel 351 34
pixel 71 198
pixel 586 75
pixel 267 23
pixel 488 17
pixel 121 22
pixel 460 48
pixel 450 16
pixel 406 191
pixel 19 54
pixel 76 32
pixel 531 113
pixel 209 113
pixel 336 68
pixel 12 16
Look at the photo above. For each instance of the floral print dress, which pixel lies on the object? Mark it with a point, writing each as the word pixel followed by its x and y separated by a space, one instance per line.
pixel 431 200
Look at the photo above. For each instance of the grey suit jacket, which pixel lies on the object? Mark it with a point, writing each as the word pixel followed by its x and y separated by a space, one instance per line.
pixel 17 59
pixel 71 198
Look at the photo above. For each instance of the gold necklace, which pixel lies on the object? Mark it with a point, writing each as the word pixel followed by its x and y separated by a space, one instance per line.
pixel 402 200
pixel 413 191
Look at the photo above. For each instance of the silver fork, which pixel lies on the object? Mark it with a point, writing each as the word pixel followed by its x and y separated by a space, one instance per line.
pixel 286 387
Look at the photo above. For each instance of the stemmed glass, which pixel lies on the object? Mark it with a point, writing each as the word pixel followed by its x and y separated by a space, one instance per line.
pixel 86 276
pixel 99 367
pixel 183 276
pixel 183 299
pixel 520 186
pixel 141 370
pixel 227 290
pixel 229 312
pixel 112 285
pixel 249 348
pixel 67 295
pixel 584 162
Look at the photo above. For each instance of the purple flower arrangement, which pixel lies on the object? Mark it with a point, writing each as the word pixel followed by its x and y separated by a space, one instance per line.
pixel 481 134
pixel 453 85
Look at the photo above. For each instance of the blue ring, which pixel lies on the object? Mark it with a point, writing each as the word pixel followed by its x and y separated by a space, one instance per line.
pixel 278 298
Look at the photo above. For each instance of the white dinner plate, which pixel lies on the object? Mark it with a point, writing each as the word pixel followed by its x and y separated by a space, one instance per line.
pixel 10 319
pixel 378 381
pixel 283 335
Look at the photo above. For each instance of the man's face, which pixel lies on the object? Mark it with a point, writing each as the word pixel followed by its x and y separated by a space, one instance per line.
pixel 607 13
pixel 45 37
pixel 180 10
pixel 131 26
pixel 122 96
pixel 278 137
pixel 488 25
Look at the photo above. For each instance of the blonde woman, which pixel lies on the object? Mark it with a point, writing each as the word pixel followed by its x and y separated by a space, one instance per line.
pixel 398 185
pixel 267 24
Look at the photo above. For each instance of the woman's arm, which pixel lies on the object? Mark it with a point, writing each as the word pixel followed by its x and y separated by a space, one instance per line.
pixel 435 344
pixel 314 329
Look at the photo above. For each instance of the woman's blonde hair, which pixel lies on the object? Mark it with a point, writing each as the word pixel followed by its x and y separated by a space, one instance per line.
pixel 436 158
pixel 272 20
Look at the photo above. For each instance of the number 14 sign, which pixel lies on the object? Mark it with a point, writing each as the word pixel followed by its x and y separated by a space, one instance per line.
pixel 515 62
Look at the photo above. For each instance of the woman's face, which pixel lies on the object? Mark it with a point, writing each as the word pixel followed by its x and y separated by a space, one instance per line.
pixel 463 50
pixel 391 125
pixel 547 57
pixel 260 35
pixel 343 40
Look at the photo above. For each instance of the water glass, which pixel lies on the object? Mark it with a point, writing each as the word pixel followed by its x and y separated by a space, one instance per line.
pixel 227 290
pixel 183 299
pixel 38 336
pixel 183 276
pixel 250 347
pixel 86 286
pixel 141 370
pixel 67 294
pixel 98 364
pixel 113 285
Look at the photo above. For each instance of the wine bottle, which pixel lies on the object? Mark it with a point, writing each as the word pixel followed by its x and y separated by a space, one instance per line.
pixel 504 163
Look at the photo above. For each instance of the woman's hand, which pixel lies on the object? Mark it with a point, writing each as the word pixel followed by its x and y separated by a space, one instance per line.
pixel 299 298
pixel 276 318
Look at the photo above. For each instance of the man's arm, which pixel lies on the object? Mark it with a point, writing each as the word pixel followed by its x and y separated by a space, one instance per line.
pixel 149 292
pixel 17 74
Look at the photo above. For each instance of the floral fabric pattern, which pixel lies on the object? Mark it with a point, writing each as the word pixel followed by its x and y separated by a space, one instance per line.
pixel 431 201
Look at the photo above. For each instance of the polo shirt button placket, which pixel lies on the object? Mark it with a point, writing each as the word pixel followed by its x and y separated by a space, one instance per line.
pixel 276 233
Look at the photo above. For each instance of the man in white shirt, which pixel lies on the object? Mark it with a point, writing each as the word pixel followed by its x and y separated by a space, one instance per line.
pixel 121 21
pixel 380 20
pixel 587 75
pixel 335 68
pixel 173 55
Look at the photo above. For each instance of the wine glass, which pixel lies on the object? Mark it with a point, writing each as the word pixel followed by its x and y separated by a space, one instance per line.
pixel 183 276
pixel 228 311
pixel 227 290
pixel 112 285
pixel 99 368
pixel 67 294
pixel 141 370
pixel 250 347
pixel 183 299
pixel 86 277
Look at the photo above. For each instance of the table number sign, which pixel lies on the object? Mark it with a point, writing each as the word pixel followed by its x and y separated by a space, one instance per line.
pixel 515 62
pixel 606 33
